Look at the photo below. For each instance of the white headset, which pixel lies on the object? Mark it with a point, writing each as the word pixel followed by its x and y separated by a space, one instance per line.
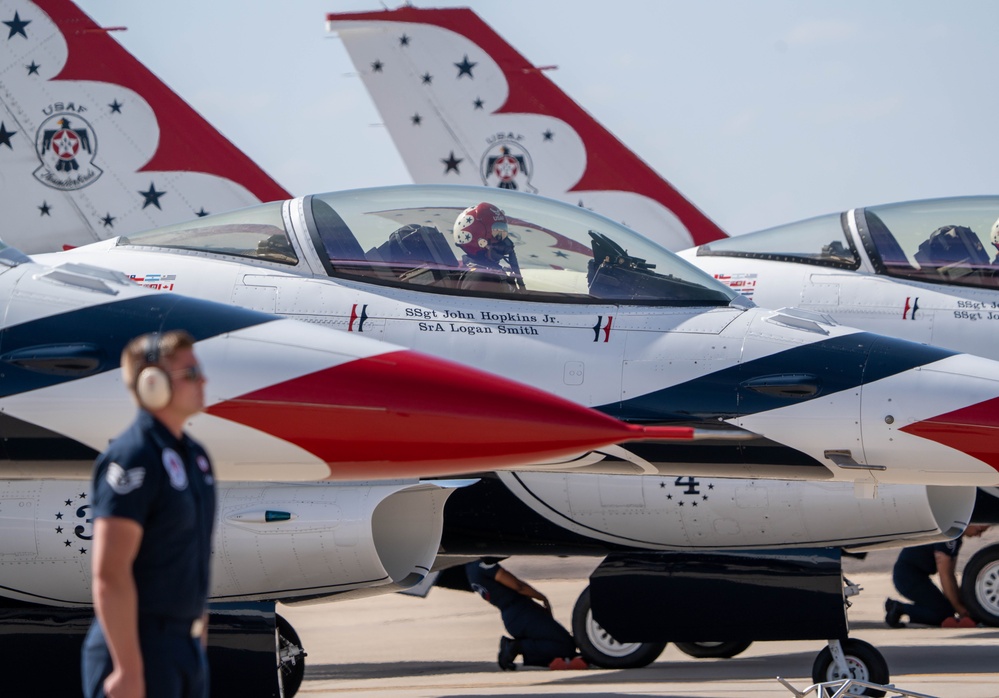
pixel 152 385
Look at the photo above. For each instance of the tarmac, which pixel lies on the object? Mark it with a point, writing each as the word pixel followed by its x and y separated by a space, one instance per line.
pixel 446 645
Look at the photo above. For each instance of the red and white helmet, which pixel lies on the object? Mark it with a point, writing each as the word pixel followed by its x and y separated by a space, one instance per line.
pixel 479 226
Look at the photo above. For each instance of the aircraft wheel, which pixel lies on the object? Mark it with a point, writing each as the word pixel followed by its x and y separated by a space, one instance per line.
pixel 864 661
pixel 980 585
pixel 599 648
pixel 291 657
pixel 717 650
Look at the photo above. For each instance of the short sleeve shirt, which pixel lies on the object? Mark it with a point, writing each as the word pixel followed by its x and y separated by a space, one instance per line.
pixel 167 486
pixel 923 557
pixel 482 577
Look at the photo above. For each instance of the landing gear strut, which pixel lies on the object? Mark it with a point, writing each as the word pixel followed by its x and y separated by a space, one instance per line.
pixel 290 656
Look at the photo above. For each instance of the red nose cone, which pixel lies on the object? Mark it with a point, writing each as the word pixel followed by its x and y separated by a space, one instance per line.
pixel 404 414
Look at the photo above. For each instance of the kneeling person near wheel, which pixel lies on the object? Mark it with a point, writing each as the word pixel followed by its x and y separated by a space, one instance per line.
pixel 911 575
pixel 536 634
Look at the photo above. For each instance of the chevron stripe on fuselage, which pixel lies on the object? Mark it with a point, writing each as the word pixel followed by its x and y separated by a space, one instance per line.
pixel 845 362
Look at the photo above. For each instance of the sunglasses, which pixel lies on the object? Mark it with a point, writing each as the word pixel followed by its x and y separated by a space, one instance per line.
pixel 191 373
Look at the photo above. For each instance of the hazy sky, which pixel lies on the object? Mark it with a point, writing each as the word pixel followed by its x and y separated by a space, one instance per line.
pixel 760 112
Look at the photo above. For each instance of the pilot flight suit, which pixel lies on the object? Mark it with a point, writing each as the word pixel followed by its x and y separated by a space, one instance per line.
pixel 167 486
pixel 911 575
pixel 540 636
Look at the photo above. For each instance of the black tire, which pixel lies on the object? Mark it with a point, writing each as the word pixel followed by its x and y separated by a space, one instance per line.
pixel 714 650
pixel 290 657
pixel 866 664
pixel 980 585
pixel 600 649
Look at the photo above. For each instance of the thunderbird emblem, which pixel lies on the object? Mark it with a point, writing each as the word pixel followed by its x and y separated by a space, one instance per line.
pixel 507 165
pixel 66 146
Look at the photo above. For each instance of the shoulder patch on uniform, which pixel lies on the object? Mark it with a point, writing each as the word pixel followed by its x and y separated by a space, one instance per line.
pixel 175 468
pixel 124 481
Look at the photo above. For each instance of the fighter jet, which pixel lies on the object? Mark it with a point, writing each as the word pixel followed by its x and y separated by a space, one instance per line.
pixel 918 270
pixel 585 377
pixel 589 310
pixel 285 401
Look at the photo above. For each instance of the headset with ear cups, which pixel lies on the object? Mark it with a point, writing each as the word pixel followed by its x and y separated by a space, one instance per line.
pixel 152 385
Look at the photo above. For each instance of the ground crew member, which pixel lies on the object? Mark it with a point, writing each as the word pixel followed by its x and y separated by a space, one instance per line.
pixel 153 494
pixel 536 633
pixel 912 572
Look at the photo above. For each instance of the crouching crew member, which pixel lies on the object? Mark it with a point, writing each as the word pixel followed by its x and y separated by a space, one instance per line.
pixel 527 615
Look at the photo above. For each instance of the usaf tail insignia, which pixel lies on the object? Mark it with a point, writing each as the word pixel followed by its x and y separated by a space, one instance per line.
pixel 507 165
pixel 66 146
pixel 124 481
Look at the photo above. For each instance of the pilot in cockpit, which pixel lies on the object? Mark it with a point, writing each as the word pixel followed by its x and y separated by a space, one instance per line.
pixel 953 250
pixel 482 234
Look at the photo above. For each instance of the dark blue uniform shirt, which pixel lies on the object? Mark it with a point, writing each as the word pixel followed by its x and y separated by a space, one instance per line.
pixel 167 486
pixel 923 558
pixel 482 577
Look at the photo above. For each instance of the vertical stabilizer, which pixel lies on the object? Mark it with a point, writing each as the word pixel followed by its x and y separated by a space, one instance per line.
pixel 464 107
pixel 93 145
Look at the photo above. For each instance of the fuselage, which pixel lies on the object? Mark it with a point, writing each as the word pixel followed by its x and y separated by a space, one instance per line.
pixel 607 320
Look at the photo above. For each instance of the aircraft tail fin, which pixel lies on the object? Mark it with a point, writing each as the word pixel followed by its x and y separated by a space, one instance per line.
pixel 463 106
pixel 93 145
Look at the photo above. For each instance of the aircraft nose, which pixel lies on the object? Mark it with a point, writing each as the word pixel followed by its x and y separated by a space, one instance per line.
pixel 399 413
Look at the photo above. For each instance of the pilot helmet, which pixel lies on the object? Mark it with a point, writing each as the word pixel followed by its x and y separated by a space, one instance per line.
pixel 478 227
pixel 995 233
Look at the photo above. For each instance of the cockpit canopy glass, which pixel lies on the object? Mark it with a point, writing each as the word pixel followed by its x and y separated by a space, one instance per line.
pixel 547 250
pixel 820 241
pixel 940 240
pixel 948 241
pixel 255 233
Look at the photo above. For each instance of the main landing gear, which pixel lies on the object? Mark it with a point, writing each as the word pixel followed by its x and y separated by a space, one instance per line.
pixel 841 659
pixel 598 647
pixel 980 585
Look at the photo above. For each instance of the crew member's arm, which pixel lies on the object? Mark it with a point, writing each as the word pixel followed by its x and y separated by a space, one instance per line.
pixel 946 568
pixel 116 602
pixel 508 579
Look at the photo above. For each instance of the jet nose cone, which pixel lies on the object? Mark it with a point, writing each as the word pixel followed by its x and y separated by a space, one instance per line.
pixel 405 414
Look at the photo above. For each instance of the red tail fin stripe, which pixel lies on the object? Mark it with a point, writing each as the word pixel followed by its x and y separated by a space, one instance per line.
pixel 187 143
pixel 531 92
